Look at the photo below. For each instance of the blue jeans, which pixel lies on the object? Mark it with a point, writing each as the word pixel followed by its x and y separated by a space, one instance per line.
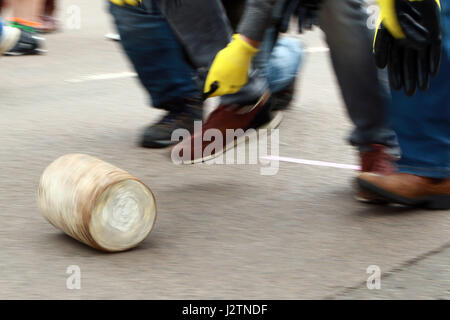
pixel 157 57
pixel 284 63
pixel 279 59
pixel 165 69
pixel 422 123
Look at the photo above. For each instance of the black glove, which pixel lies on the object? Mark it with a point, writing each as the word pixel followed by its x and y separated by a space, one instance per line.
pixel 305 10
pixel 409 43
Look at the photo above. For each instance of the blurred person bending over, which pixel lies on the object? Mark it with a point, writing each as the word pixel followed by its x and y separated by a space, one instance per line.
pixel 364 88
pixel 422 124
pixel 171 45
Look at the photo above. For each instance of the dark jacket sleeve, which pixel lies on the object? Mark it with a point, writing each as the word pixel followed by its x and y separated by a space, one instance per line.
pixel 256 19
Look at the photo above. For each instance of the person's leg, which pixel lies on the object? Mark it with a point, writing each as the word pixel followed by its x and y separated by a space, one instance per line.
pixel 234 10
pixel 422 123
pixel 284 63
pixel 27 9
pixel 155 53
pixel 19 34
pixel 282 70
pixel 26 16
pixel 279 59
pixel 162 68
pixel 47 17
pixel 364 89
pixel 203 29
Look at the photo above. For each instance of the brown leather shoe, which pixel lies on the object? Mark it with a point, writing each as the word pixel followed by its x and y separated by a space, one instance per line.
pixel 408 189
pixel 199 148
pixel 376 161
pixel 365 196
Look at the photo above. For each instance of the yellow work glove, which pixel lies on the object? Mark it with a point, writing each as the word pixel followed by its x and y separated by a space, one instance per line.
pixel 230 68
pixel 133 3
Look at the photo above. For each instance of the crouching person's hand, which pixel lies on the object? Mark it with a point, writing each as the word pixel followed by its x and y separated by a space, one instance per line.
pixel 229 71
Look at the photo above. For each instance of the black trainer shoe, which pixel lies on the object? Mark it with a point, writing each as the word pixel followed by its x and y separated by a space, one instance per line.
pixel 181 116
pixel 28 43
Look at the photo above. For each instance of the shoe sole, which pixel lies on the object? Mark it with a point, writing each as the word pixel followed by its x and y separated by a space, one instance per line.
pixel 17 54
pixel 157 144
pixel 36 51
pixel 375 199
pixel 272 124
pixel 437 202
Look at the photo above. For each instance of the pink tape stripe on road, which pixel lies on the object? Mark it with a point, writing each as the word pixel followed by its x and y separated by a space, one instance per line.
pixel 313 162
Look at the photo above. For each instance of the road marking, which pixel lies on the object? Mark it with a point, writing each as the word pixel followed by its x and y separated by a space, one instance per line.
pixel 127 74
pixel 313 162
pixel 316 49
pixel 103 76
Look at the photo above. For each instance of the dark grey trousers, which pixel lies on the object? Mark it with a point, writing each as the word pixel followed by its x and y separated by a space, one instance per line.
pixel 364 88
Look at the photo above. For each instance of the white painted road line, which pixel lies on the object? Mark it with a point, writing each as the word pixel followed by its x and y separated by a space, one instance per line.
pixel 127 74
pixel 316 49
pixel 103 76
pixel 313 162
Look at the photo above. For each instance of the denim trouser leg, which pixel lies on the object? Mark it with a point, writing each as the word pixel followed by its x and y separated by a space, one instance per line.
pixel 279 59
pixel 422 122
pixel 155 53
pixel 364 89
pixel 284 63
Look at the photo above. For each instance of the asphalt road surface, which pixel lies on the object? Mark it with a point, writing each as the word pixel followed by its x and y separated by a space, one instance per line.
pixel 223 231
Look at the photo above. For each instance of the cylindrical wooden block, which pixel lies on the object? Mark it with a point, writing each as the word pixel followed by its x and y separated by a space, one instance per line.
pixel 96 202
